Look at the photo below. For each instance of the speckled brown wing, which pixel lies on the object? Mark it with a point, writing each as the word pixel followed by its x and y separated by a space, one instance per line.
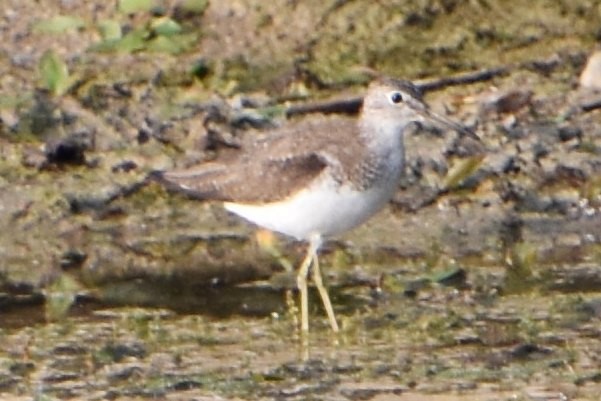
pixel 268 181
pixel 271 168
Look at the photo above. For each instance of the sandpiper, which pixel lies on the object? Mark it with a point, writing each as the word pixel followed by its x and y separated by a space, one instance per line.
pixel 317 178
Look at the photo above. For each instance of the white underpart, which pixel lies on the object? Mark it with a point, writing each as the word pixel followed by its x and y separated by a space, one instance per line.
pixel 324 208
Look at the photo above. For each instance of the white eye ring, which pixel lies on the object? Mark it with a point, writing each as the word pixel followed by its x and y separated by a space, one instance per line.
pixel 395 97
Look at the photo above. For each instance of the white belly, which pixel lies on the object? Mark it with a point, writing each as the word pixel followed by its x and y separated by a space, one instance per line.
pixel 325 209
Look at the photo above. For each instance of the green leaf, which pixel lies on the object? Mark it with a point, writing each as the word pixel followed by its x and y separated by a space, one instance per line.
pixel 60 296
pixel 54 73
pixel 165 26
pixel 134 6
pixel 461 171
pixel 172 44
pixel 132 42
pixel 195 6
pixel 454 277
pixel 110 30
pixel 58 24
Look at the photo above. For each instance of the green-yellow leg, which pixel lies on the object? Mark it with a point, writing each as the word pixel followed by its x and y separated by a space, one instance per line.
pixel 301 283
pixel 325 298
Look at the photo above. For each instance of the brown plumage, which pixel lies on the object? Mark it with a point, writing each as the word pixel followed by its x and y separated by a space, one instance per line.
pixel 274 167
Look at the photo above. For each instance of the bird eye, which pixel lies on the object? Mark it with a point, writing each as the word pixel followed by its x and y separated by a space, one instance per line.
pixel 396 97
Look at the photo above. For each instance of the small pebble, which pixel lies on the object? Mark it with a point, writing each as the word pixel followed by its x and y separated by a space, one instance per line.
pixel 591 75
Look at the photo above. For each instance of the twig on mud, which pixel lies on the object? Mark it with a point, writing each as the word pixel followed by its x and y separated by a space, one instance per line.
pixel 582 108
pixel 462 79
pixel 590 106
pixel 353 104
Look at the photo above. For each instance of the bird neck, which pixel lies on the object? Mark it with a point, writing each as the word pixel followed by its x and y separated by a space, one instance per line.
pixel 381 132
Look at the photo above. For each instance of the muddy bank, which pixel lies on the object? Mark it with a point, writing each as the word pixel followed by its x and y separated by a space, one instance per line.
pixel 480 280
